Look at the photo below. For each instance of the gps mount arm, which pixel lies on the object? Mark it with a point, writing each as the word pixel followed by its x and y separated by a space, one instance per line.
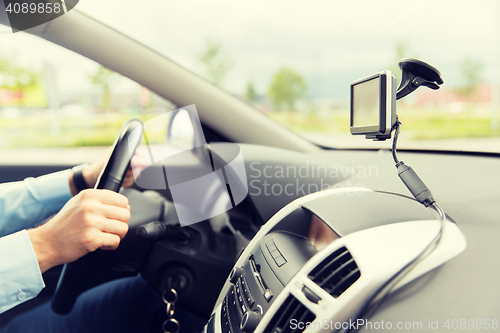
pixel 417 73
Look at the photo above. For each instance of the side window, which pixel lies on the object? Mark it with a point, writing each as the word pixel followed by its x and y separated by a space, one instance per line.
pixel 53 97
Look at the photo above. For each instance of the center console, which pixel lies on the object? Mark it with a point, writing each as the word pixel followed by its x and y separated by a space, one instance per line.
pixel 323 256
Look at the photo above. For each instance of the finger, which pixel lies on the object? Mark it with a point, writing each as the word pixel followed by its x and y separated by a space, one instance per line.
pixel 139 162
pixel 115 227
pixel 109 241
pixel 128 181
pixel 140 159
pixel 111 198
pixel 116 213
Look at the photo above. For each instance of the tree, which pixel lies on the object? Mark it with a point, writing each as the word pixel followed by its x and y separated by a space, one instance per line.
pixel 250 94
pixel 401 51
pixel 286 87
pixel 471 74
pixel 103 78
pixel 17 79
pixel 215 62
pixel 13 76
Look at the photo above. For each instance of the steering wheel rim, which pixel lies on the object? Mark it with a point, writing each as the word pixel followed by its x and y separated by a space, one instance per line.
pixel 111 178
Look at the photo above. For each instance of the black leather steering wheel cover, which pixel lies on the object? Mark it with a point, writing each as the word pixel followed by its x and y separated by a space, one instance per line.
pixel 111 178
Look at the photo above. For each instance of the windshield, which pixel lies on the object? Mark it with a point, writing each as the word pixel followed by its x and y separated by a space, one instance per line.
pixel 294 60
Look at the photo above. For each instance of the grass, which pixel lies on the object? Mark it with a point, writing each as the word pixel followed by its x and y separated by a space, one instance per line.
pixel 101 130
pixel 299 122
pixel 419 124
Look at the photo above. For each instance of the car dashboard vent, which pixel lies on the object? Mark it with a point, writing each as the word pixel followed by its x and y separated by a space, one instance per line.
pixel 288 316
pixel 336 273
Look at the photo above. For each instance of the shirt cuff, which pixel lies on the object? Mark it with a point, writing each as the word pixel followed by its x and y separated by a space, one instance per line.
pixel 21 276
pixel 52 189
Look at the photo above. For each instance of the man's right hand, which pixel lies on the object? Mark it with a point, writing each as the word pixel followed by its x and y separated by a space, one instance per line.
pixel 91 220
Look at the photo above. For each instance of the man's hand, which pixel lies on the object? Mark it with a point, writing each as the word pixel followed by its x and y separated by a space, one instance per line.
pixel 91 172
pixel 91 220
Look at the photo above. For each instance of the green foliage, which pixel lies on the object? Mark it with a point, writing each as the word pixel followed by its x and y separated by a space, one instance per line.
pixel 215 63
pixel 99 130
pixel 418 123
pixel 286 87
pixel 401 51
pixel 471 74
pixel 103 78
pixel 250 94
pixel 13 76
pixel 311 122
pixel 23 82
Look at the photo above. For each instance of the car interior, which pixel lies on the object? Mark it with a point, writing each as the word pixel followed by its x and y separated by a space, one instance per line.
pixel 362 248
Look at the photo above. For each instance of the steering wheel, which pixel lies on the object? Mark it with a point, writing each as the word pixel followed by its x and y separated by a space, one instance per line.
pixel 111 178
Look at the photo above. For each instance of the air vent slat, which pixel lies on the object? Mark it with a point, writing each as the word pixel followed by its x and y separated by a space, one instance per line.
pixel 332 260
pixel 340 269
pixel 299 311
pixel 336 273
pixel 345 283
pixel 306 317
pixel 334 265
pixel 291 309
pixel 287 313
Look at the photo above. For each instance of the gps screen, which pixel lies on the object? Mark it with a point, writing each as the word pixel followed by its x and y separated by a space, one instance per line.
pixel 366 103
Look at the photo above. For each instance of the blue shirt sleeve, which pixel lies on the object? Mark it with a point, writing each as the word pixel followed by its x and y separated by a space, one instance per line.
pixel 24 205
pixel 28 203
pixel 20 274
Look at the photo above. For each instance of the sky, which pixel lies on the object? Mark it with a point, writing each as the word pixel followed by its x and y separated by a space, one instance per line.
pixel 331 43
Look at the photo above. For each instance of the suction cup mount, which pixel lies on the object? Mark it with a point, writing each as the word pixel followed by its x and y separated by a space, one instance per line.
pixel 417 73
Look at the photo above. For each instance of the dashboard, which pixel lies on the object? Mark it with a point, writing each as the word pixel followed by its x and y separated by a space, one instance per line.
pixel 321 258
pixel 307 230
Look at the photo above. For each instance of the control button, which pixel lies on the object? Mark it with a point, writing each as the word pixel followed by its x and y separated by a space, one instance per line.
pixel 280 261
pixel 250 299
pixel 238 293
pixel 225 317
pixel 271 247
pixel 235 274
pixel 310 295
pixel 238 285
pixel 250 321
pixel 268 295
pixel 275 254
pixel 22 295
pixel 243 284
